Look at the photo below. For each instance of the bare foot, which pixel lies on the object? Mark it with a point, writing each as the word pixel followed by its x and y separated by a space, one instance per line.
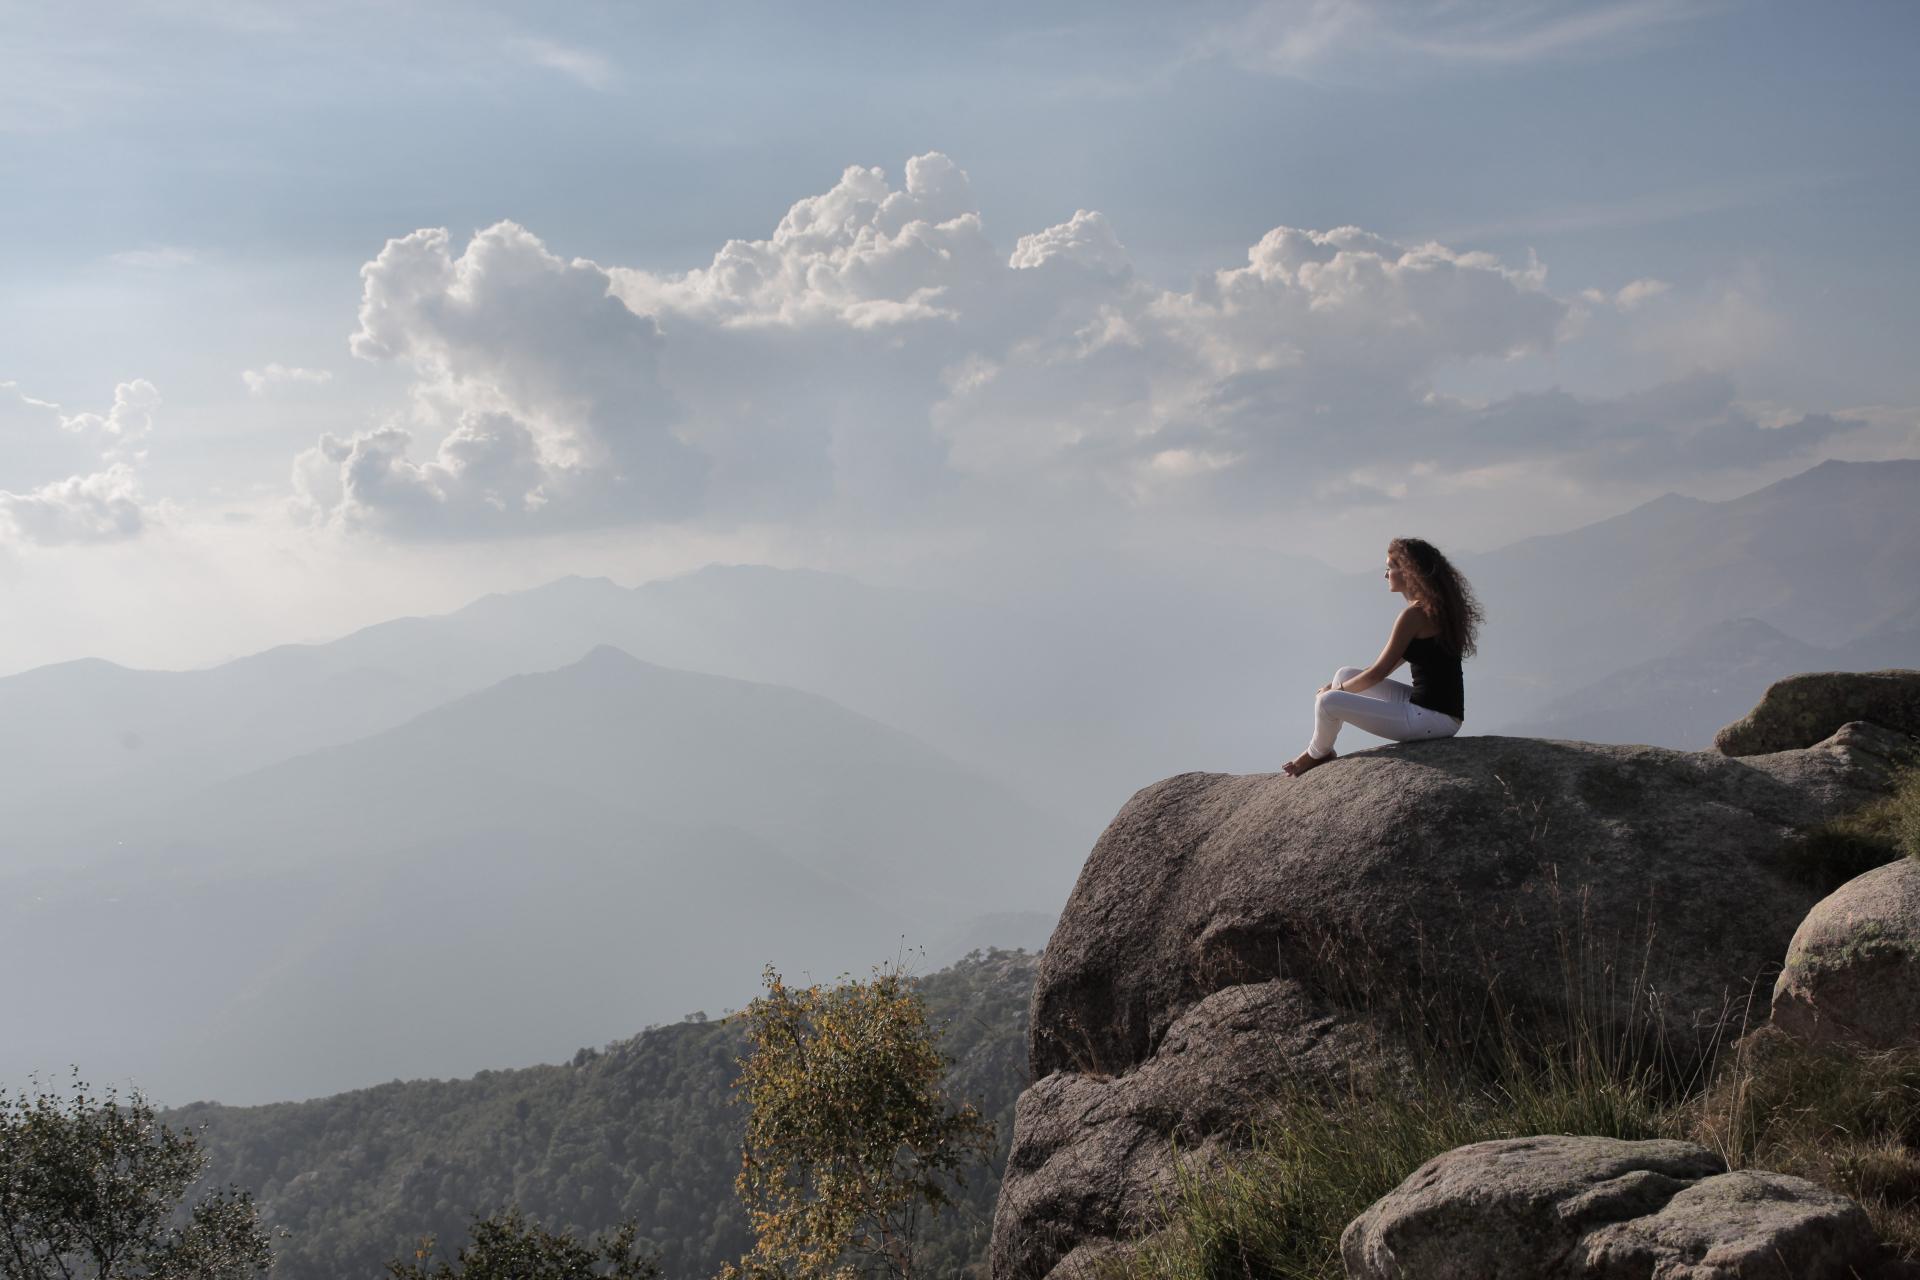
pixel 1305 761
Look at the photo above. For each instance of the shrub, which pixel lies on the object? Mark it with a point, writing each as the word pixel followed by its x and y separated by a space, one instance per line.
pixel 508 1247
pixel 96 1187
pixel 851 1142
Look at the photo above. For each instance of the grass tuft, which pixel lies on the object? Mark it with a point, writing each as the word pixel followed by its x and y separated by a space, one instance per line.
pixel 1827 856
pixel 1843 1118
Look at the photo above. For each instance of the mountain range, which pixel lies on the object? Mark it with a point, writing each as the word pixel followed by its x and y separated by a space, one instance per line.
pixel 443 843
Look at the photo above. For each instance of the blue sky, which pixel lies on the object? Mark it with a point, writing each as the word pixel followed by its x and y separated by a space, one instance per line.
pixel 195 188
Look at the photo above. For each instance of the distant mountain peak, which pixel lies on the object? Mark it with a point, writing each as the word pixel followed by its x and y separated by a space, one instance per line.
pixel 1671 501
pixel 1741 637
pixel 614 658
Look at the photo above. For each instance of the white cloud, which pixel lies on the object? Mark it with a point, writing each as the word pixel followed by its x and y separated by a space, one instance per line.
pixel 1632 296
pixel 588 68
pixel 260 381
pixel 1728 324
pixel 1084 239
pixel 104 506
pixel 1317 38
pixel 546 387
pixel 877 359
pixel 121 432
pixel 862 254
pixel 100 506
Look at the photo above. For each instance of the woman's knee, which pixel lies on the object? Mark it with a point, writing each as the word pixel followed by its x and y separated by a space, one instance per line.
pixel 1346 673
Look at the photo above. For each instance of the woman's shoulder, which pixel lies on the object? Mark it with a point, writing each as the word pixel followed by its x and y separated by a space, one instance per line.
pixel 1425 625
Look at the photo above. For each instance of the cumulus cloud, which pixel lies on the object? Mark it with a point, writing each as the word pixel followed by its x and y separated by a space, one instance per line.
pixel 121 433
pixel 862 254
pixel 877 354
pixel 261 381
pixel 547 387
pixel 104 505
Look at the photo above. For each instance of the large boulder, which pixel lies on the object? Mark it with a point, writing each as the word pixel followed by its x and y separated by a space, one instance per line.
pixel 1391 880
pixel 1096 1155
pixel 1601 1209
pixel 1853 968
pixel 1801 710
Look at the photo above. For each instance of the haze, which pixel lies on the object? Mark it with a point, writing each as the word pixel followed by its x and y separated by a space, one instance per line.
pixel 512 521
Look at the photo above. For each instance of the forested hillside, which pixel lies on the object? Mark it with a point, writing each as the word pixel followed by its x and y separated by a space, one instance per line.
pixel 642 1128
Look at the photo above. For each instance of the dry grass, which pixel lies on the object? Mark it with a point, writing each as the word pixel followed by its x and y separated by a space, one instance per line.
pixel 1845 1119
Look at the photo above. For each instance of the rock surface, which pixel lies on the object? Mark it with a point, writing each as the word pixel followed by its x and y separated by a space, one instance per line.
pixel 1093 1155
pixel 1853 968
pixel 1600 1208
pixel 1383 881
pixel 1801 710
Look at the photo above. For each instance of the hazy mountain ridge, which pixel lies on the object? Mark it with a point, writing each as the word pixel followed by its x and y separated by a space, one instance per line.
pixel 1827 556
pixel 500 867
pixel 71 732
pixel 1682 699
pixel 1089 683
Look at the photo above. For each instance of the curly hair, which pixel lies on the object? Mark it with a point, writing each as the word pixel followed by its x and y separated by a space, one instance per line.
pixel 1442 590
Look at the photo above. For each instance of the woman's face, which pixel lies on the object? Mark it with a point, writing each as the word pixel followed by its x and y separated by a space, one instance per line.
pixel 1396 581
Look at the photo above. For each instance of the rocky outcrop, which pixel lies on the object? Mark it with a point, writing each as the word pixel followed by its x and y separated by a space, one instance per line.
pixel 1801 710
pixel 1853 968
pixel 1096 1155
pixel 1601 1209
pixel 1415 878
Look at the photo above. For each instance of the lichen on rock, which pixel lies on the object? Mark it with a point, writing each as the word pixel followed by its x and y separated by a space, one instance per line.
pixel 1852 970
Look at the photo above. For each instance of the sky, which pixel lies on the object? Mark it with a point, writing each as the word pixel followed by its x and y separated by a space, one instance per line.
pixel 315 314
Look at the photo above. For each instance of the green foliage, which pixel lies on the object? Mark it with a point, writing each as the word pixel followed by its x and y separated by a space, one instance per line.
pixel 506 1246
pixel 94 1187
pixel 1901 812
pixel 849 1136
pixel 642 1130
pixel 1829 855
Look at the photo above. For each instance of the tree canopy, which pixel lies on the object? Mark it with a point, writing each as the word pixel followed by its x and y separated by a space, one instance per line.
pixel 850 1138
pixel 505 1246
pixel 94 1188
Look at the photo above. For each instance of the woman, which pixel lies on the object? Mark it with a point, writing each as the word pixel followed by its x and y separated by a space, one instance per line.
pixel 1433 633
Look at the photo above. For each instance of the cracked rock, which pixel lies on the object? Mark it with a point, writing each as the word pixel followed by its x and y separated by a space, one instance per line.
pixel 1576 1208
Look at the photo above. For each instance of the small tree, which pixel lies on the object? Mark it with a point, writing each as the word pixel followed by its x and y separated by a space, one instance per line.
pixel 507 1247
pixel 849 1137
pixel 93 1188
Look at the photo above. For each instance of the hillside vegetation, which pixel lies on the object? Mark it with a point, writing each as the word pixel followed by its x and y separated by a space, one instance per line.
pixel 641 1129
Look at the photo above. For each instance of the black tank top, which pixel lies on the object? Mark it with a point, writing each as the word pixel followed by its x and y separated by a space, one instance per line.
pixel 1436 677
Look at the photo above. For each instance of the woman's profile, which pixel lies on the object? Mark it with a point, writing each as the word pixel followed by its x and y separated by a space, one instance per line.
pixel 1432 634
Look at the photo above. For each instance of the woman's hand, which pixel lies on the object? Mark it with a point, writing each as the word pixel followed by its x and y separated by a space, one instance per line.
pixel 1323 688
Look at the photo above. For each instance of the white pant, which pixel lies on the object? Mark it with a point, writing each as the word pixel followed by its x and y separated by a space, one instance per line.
pixel 1385 710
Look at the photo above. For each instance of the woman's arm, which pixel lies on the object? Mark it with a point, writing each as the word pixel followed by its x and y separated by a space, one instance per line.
pixel 1405 627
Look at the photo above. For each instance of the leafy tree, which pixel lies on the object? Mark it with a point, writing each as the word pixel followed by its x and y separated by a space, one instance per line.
pixel 507 1247
pixel 93 1188
pixel 849 1137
